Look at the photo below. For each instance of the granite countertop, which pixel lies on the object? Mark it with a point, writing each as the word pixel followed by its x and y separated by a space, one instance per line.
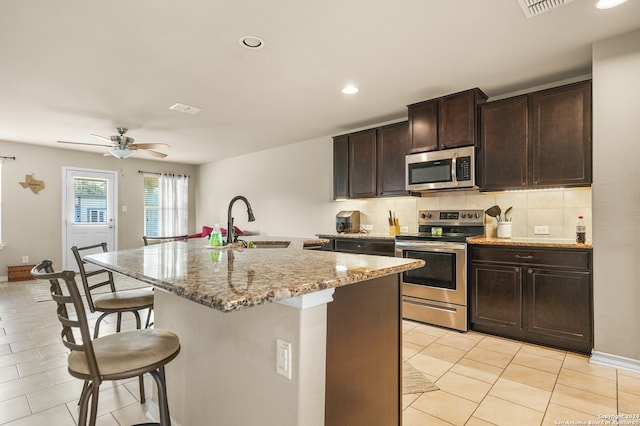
pixel 529 242
pixel 234 278
pixel 360 235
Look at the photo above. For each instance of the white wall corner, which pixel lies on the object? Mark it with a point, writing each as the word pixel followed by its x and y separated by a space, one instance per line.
pixel 615 361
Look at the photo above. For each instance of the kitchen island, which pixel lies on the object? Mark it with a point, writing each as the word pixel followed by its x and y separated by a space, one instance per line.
pixel 340 313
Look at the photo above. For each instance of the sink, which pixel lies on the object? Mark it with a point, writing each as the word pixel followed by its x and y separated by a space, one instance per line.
pixel 268 244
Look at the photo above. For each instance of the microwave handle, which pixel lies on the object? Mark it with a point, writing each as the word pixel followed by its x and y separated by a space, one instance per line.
pixel 454 176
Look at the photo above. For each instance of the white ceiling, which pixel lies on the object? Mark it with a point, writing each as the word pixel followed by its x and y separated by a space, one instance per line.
pixel 70 68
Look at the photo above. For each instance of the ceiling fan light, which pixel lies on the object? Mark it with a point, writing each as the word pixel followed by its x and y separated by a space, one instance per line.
pixel 120 153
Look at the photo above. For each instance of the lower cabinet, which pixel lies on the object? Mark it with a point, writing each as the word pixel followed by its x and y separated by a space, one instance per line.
pixel 539 295
pixel 371 245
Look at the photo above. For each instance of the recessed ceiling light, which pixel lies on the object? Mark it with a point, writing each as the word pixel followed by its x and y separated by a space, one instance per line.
pixel 608 4
pixel 350 90
pixel 251 42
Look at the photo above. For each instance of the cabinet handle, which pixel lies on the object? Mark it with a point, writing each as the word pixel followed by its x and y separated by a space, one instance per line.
pixel 530 271
pixel 524 257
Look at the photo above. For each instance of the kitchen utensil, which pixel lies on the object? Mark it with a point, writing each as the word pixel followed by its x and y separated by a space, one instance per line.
pixel 506 214
pixel 494 211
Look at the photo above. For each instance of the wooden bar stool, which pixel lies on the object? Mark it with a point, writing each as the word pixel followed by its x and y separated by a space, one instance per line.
pixel 118 356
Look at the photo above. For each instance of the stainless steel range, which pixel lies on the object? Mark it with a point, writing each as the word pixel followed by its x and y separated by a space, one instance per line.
pixel 437 292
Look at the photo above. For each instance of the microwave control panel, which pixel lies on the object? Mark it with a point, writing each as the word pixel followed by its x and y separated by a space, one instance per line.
pixel 463 168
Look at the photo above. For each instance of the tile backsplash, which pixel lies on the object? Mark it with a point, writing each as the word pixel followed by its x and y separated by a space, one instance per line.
pixel 557 209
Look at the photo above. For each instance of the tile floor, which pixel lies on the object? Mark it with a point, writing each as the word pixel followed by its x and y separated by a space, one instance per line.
pixel 487 380
pixel 483 380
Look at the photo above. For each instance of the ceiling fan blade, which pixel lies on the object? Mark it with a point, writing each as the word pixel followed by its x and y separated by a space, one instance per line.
pixel 149 145
pixel 103 138
pixel 153 153
pixel 82 143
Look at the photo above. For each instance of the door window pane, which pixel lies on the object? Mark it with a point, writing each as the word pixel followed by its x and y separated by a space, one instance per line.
pixel 90 200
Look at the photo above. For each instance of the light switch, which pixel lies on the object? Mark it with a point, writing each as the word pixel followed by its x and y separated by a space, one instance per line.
pixel 283 358
pixel 124 209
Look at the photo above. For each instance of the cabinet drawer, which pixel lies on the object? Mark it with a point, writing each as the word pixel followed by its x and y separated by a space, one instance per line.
pixel 564 258
pixel 366 247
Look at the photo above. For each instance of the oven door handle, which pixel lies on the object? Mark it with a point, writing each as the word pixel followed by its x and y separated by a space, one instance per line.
pixel 429 246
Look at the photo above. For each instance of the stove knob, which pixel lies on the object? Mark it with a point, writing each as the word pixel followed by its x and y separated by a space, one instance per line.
pixel 422 215
pixel 463 215
pixel 429 215
pixel 477 215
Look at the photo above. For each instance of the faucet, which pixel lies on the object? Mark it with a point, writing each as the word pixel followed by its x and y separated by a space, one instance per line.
pixel 230 237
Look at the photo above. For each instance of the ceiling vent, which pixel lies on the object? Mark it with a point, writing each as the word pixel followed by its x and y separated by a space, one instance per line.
pixel 533 8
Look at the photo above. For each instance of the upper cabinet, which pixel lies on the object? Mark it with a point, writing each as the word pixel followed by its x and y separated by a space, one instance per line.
pixel 362 164
pixel 340 167
pixel 539 140
pixel 370 163
pixel 393 145
pixel 446 122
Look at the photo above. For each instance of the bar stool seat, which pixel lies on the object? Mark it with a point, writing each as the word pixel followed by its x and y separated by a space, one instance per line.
pixel 123 300
pixel 126 354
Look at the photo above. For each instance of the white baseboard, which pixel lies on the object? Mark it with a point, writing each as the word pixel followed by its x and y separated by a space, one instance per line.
pixel 615 361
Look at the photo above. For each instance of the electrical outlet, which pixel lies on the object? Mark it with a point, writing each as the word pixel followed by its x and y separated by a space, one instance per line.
pixel 25 259
pixel 368 227
pixel 283 358
pixel 404 229
pixel 541 230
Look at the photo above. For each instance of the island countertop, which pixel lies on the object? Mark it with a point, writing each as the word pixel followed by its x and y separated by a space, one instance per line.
pixel 235 278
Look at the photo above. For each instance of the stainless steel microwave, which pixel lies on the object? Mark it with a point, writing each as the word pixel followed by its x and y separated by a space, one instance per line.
pixel 445 169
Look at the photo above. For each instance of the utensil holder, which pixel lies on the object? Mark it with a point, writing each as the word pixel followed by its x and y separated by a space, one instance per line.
pixel 504 230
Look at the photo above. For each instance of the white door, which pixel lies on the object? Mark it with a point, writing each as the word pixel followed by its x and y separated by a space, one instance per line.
pixel 88 210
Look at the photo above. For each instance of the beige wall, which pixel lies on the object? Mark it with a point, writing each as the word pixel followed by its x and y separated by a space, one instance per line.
pixel 616 195
pixel 32 223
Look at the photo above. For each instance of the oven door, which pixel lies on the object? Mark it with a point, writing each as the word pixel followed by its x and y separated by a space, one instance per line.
pixel 443 277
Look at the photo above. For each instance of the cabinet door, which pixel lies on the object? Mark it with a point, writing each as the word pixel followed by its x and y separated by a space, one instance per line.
pixel 457 121
pixel 362 164
pixel 393 146
pixel 560 308
pixel 423 126
pixel 340 167
pixel 496 299
pixel 504 132
pixel 561 129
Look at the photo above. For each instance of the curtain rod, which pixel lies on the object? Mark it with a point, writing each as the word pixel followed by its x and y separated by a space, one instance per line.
pixel 7 158
pixel 158 173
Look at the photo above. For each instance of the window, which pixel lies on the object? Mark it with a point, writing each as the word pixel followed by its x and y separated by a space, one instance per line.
pixel 90 200
pixel 165 204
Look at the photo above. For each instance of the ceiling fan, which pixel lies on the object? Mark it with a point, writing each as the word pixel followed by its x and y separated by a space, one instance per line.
pixel 123 146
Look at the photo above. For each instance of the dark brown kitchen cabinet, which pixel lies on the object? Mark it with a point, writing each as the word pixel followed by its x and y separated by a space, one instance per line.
pixel 362 164
pixel 446 122
pixel 538 295
pixel 561 132
pixel 371 163
pixel 423 126
pixel 341 167
pixel 503 157
pixel 539 140
pixel 393 141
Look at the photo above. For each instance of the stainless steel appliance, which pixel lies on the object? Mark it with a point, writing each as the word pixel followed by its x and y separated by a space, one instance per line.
pixel 445 169
pixel 348 221
pixel 437 292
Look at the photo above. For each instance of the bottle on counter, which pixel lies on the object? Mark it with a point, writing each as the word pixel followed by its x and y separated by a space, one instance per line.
pixel 216 236
pixel 581 231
